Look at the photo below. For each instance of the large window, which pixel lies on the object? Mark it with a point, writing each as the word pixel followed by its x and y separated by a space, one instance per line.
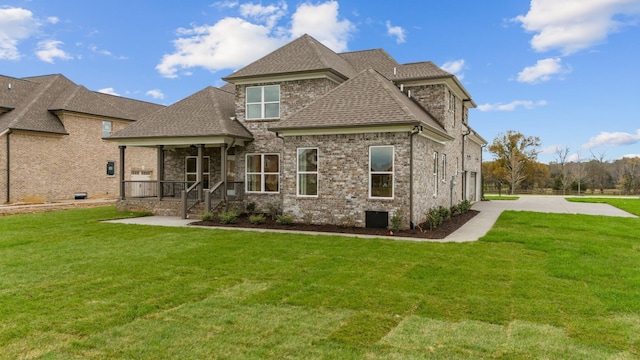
pixel 263 173
pixel 381 171
pixel 444 168
pixel 191 170
pixel 263 102
pixel 307 172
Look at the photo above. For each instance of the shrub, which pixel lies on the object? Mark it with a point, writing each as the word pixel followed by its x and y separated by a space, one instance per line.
pixel 433 218
pixel 445 213
pixel 256 219
pixel 274 211
pixel 307 218
pixel 207 216
pixel 395 223
pixel 347 221
pixel 228 217
pixel 465 206
pixel 284 219
pixel 251 207
pixel 455 210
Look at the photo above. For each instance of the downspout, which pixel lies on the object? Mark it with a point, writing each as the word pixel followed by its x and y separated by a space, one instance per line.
pixel 224 169
pixel 464 172
pixel 8 166
pixel 416 130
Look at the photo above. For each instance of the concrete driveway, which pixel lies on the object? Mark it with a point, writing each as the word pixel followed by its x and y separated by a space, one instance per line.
pixel 491 210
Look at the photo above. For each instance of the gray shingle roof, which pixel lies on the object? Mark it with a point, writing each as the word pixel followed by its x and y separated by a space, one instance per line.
pixel 205 113
pixel 377 59
pixel 34 99
pixel 301 55
pixel 420 70
pixel 368 99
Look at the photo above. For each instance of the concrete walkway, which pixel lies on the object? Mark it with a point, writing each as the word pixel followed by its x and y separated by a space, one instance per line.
pixel 471 231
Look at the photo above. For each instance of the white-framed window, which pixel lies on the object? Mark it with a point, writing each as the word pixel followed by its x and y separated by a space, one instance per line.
pixel 107 128
pixel 457 165
pixel 262 173
pixel 435 173
pixel 381 171
pixel 307 172
pixel 191 170
pixel 263 102
pixel 444 167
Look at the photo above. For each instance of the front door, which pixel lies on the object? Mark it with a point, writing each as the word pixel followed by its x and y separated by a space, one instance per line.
pixel 191 173
pixel 231 175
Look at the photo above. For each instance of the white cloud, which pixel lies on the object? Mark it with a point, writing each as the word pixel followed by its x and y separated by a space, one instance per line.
pixel 225 4
pixel 48 51
pixel 542 70
pixel 155 93
pixel 16 24
pixel 527 104
pixel 109 91
pixel 396 31
pixel 573 25
pixel 321 21
pixel 631 156
pixel 236 41
pixel 454 67
pixel 53 20
pixel 98 51
pixel 612 139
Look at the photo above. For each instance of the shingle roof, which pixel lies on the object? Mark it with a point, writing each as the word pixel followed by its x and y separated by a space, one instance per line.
pixel 420 70
pixel 368 99
pixel 301 55
pixel 205 113
pixel 377 59
pixel 34 99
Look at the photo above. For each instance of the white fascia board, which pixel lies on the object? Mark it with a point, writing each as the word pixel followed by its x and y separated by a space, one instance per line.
pixel 178 142
pixel 290 77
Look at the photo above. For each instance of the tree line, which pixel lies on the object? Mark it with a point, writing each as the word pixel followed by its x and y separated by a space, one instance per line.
pixel 515 169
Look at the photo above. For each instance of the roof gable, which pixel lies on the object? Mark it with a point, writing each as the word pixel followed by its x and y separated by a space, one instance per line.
pixel 368 99
pixel 205 113
pixel 377 59
pixel 304 54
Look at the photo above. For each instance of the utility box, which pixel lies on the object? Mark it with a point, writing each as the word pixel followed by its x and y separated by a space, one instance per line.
pixel 377 219
pixel 80 196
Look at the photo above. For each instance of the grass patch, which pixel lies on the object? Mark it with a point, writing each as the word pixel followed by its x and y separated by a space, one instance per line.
pixel 536 286
pixel 501 197
pixel 630 205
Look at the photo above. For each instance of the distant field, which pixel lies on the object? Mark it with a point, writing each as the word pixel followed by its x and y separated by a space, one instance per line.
pixel 548 286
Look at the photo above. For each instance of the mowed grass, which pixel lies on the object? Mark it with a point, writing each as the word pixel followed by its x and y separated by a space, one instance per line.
pixel 500 197
pixel 545 286
pixel 631 205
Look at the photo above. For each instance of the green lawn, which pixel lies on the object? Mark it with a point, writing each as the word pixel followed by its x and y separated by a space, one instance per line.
pixel 631 205
pixel 546 286
pixel 501 197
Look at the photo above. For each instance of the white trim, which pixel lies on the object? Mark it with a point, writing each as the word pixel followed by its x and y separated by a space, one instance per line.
pixel 263 103
pixel 436 162
pixel 298 172
pixel 290 77
pixel 392 172
pixel 179 141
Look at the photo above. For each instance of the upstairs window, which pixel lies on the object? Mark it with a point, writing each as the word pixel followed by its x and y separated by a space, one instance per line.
pixel 106 129
pixel 263 102
pixel 444 167
pixel 263 173
pixel 435 173
pixel 381 171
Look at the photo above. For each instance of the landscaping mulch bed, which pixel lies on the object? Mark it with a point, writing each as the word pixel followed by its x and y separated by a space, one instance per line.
pixel 440 232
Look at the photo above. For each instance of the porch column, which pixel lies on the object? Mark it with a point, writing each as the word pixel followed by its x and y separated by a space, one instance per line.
pixel 122 184
pixel 160 167
pixel 199 171
pixel 223 170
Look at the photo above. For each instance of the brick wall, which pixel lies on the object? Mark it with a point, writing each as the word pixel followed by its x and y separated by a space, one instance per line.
pixel 3 169
pixel 55 167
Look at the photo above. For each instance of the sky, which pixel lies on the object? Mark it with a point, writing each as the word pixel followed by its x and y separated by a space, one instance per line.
pixel 566 71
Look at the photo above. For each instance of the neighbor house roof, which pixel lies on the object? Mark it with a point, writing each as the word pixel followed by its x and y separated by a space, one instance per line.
pixel 31 103
pixel 304 54
pixel 367 100
pixel 206 113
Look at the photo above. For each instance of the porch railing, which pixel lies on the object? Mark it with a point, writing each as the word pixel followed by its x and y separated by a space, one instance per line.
pixel 189 198
pixel 149 188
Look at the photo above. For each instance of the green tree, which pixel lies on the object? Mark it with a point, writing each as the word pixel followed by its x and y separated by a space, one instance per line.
pixel 512 152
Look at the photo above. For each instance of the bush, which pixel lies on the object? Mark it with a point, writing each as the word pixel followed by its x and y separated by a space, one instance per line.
pixel 256 219
pixel 395 223
pixel 307 218
pixel 433 218
pixel 284 219
pixel 274 211
pixel 464 206
pixel 251 207
pixel 228 217
pixel 347 221
pixel 207 216
pixel 445 213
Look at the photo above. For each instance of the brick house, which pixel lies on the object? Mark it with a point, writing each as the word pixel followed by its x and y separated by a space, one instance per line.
pixel 348 138
pixel 51 140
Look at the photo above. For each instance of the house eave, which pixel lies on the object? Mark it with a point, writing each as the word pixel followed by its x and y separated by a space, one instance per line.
pixel 290 76
pixel 59 112
pixel 180 141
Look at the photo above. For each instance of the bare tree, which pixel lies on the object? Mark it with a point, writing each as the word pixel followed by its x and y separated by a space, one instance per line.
pixel 597 172
pixel 562 154
pixel 578 171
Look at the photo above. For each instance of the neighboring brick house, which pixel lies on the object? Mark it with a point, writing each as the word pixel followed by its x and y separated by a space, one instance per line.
pixel 51 140
pixel 349 138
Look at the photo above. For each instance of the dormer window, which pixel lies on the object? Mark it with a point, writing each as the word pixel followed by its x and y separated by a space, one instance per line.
pixel 263 102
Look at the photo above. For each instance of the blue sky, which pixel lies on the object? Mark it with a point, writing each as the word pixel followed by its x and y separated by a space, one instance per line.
pixel 566 71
